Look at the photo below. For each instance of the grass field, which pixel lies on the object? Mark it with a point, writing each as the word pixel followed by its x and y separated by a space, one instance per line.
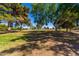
pixel 39 43
pixel 6 43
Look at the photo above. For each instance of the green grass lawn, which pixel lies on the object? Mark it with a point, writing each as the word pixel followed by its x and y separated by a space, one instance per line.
pixel 5 39
pixel 6 43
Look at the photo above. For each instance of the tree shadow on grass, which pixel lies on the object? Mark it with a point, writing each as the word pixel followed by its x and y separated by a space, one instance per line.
pixel 69 42
pixel 25 49
pixel 5 32
pixel 66 50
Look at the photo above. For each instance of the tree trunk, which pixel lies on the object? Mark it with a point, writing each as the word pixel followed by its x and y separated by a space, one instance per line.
pixel 70 29
pixel 56 29
pixel 77 22
pixel 9 26
pixel 20 26
pixel 59 29
pixel 66 29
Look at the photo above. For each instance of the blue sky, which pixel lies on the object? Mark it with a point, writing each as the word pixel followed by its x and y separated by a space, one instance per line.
pixel 32 18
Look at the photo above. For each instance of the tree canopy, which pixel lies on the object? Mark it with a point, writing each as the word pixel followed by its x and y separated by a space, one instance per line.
pixel 60 15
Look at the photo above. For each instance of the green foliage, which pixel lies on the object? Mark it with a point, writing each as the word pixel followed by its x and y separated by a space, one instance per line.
pixel 43 13
pixel 10 12
pixel 3 27
pixel 15 28
pixel 67 15
pixel 58 14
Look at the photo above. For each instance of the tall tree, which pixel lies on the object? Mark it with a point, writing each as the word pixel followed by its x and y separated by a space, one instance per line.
pixel 13 10
pixel 43 13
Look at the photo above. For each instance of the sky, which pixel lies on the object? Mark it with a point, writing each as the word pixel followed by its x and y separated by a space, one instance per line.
pixel 29 5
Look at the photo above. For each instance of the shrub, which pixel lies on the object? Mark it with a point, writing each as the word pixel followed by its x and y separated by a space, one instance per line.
pixel 3 27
